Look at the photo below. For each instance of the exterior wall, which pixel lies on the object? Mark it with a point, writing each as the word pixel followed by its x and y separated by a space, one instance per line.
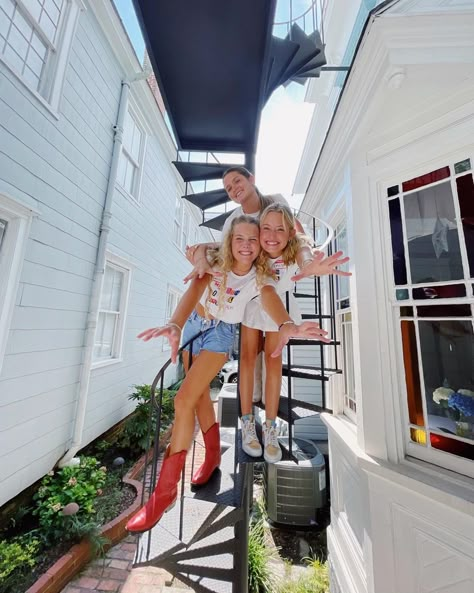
pixel 399 525
pixel 55 167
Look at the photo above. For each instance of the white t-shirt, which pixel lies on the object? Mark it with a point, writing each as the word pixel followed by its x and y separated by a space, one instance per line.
pixel 239 291
pixel 255 315
pixel 238 212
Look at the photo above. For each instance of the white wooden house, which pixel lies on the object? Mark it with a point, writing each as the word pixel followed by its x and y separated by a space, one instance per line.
pixel 389 161
pixel 83 147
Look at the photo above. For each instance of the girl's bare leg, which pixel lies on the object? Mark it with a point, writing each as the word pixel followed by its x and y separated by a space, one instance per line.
pixel 205 408
pixel 249 348
pixel 273 378
pixel 204 368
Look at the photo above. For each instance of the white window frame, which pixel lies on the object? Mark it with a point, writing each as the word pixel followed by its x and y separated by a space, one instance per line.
pixel 348 399
pixel 427 453
pixel 123 266
pixel 135 194
pixel 57 60
pixel 18 218
pixel 173 296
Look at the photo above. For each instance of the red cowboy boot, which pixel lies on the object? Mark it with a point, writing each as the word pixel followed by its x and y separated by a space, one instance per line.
pixel 164 495
pixel 212 460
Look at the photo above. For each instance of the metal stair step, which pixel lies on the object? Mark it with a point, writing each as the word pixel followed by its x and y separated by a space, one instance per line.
pixel 208 199
pixel 318 60
pixel 217 222
pixel 190 171
pixel 304 342
pixel 196 555
pixel 315 316
pixel 241 455
pixel 306 52
pixel 307 372
pixel 303 295
pixel 299 409
pixel 282 52
pixel 222 487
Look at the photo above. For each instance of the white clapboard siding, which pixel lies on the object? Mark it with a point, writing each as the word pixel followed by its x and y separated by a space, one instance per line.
pixel 60 167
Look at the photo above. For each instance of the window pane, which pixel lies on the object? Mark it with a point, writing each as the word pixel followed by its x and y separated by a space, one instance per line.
pixel 447 352
pixel 412 373
pixel 3 227
pixel 392 191
pixel 449 291
pixel 462 166
pixel 465 187
pixel 112 289
pixel 398 248
pixel 128 183
pixel 437 175
pixel 433 242
pixel 103 347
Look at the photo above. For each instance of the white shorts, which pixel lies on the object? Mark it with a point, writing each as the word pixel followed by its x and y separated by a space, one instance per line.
pixel 256 318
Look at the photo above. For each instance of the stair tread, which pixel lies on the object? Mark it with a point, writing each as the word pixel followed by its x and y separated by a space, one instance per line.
pixel 191 171
pixel 306 372
pixel 311 342
pixel 319 59
pixel 282 52
pixel 306 52
pixel 208 199
pixel 217 222
pixel 222 488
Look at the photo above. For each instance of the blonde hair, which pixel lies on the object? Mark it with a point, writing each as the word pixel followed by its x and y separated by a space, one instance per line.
pixel 224 259
pixel 289 222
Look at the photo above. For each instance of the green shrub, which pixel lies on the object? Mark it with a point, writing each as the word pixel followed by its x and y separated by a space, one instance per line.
pixel 79 484
pixel 135 432
pixel 17 556
pixel 315 581
pixel 259 573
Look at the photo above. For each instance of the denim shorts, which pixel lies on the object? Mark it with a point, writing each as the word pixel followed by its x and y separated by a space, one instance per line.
pixel 218 335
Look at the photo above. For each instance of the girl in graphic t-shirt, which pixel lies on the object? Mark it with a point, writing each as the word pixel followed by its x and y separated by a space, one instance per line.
pixel 243 269
pixel 286 252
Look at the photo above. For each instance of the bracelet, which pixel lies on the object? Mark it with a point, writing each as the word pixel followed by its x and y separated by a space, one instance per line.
pixel 287 322
pixel 306 261
pixel 174 325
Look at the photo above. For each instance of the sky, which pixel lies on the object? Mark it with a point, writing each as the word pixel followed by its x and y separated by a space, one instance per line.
pixel 284 122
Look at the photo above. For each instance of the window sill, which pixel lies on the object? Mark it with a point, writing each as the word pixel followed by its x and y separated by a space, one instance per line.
pixel 105 363
pixel 135 201
pixel 436 483
pixel 54 112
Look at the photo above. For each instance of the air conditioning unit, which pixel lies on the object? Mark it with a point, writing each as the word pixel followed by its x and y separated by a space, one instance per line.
pixel 295 493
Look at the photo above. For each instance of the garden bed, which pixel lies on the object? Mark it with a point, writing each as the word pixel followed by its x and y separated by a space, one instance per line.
pixel 77 512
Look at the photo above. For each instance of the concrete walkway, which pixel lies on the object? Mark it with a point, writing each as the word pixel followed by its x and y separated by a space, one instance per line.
pixel 115 573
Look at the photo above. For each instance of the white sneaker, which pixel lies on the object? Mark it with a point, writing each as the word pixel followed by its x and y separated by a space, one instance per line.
pixel 257 379
pixel 250 443
pixel 271 446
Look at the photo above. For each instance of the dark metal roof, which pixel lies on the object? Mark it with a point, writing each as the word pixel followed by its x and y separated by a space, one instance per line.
pixel 210 58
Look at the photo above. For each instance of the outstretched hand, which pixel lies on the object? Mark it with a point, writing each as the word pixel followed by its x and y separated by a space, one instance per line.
pixel 306 330
pixel 321 266
pixel 170 332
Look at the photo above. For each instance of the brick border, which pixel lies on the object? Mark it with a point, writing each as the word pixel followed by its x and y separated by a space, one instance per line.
pixel 64 569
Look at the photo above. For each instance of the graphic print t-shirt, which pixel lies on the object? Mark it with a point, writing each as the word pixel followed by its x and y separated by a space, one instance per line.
pixel 239 290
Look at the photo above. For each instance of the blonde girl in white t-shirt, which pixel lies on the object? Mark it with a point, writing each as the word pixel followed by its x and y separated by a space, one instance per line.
pixel 219 302
pixel 287 251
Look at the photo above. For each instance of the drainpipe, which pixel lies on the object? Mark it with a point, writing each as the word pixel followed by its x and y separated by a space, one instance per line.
pixel 84 379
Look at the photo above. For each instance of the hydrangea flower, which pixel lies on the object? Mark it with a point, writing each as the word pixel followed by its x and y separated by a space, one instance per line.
pixel 441 394
pixel 462 402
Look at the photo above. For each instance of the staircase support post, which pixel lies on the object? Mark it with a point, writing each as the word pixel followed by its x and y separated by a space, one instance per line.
pixel 242 531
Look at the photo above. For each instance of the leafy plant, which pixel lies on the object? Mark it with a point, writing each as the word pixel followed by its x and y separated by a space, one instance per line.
pixel 77 528
pixel 79 484
pixel 17 556
pixel 315 581
pixel 135 433
pixel 259 573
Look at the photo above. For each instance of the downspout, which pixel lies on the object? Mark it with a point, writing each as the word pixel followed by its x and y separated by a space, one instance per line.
pixel 93 314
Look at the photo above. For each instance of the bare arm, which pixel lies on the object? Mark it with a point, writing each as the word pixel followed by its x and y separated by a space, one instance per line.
pixel 287 327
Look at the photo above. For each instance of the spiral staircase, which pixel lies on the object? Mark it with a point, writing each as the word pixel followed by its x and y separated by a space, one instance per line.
pixel 216 64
